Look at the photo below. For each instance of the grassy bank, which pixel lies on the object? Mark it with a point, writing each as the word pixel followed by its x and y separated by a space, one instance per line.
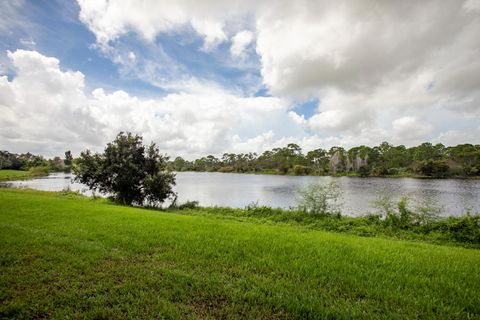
pixel 459 231
pixel 67 256
pixel 8 175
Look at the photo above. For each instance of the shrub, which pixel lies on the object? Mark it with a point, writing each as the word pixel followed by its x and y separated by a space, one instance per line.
pixel 39 171
pixel 188 205
pixel 393 171
pixel 434 168
pixel 463 229
pixel 364 171
pixel 384 203
pixel 426 213
pixel 401 215
pixel 320 199
pixel 252 205
pixel 226 169
pixel 299 170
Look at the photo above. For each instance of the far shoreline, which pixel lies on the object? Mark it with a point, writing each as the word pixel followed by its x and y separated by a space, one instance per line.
pixel 348 175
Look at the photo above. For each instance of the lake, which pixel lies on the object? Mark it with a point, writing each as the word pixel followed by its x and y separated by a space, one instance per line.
pixel 452 196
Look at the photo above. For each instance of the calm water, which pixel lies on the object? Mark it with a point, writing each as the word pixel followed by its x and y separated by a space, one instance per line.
pixel 238 190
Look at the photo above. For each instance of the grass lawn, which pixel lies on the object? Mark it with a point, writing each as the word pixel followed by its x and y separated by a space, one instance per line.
pixel 13 174
pixel 67 256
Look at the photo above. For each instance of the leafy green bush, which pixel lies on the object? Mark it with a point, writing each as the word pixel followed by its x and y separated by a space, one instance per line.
pixel 226 169
pixel 463 229
pixel 393 171
pixel 322 200
pixel 364 171
pixel 188 205
pixel 299 170
pixel 401 215
pixel 426 212
pixel 39 171
pixel 434 168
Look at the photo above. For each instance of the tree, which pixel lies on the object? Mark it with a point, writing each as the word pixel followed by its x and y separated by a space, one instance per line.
pixel 466 155
pixel 434 168
pixel 56 164
pixel 68 158
pixel 179 164
pixel 131 172
pixel 427 151
pixel 319 160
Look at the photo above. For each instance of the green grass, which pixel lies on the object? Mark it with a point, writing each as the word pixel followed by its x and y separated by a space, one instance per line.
pixel 6 175
pixel 65 256
pixel 454 230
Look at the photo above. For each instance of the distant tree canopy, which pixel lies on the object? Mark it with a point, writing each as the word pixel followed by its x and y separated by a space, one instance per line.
pixel 68 158
pixel 426 159
pixel 22 161
pixel 131 172
pixel 29 161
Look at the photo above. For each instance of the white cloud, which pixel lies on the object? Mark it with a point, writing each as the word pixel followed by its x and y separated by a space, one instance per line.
pixel 411 129
pixel 360 45
pixel 297 118
pixel 10 15
pixel 28 43
pixel 402 71
pixel 240 42
pixel 45 109
pixel 455 137
pixel 131 56
pixel 111 19
pixel 307 48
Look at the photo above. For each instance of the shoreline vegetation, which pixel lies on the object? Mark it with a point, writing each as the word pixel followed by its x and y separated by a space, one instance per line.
pixel 34 172
pixel 318 208
pixel 425 161
pixel 348 175
pixel 64 255
pixel 386 160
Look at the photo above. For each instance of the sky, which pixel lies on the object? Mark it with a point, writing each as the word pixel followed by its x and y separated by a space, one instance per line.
pixel 213 76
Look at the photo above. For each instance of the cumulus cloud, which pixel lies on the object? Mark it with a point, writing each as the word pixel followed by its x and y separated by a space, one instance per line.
pixel 308 45
pixel 454 137
pixel 411 129
pixel 365 51
pixel 240 42
pixel 112 19
pixel 401 71
pixel 46 109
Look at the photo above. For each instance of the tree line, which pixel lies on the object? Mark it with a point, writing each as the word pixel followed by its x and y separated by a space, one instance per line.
pixel 29 161
pixel 426 159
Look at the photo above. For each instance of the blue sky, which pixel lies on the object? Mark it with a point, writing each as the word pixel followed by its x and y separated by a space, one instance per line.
pixel 53 28
pixel 213 77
